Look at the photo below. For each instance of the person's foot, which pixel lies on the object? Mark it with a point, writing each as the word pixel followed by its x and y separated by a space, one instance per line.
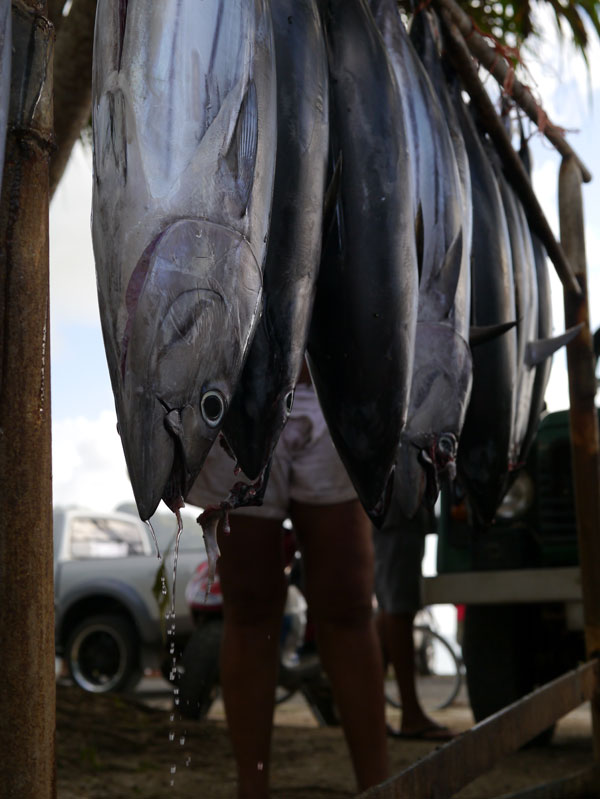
pixel 430 731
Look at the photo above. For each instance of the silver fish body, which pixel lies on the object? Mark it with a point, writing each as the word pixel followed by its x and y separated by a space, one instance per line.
pixel 526 308
pixel 184 131
pixel 544 328
pixel 264 397
pixel 441 380
pixel 361 341
pixel 483 451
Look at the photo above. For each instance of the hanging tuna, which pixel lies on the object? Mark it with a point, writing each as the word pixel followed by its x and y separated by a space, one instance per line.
pixel 184 131
pixel 483 452
pixel 361 341
pixel 441 380
pixel 264 396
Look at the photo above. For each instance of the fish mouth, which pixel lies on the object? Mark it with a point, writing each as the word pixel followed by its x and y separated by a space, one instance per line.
pixel 378 512
pixel 421 468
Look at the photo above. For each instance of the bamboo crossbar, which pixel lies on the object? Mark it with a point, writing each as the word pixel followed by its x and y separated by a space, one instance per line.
pixel 445 771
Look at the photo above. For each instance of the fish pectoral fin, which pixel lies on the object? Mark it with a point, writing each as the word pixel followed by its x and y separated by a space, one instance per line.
pixel 483 333
pixel 537 351
pixel 110 135
pixel 447 276
pixel 240 153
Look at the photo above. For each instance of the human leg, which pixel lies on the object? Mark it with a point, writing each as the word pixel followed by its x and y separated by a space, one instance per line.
pixel 252 579
pixel 338 560
pixel 399 548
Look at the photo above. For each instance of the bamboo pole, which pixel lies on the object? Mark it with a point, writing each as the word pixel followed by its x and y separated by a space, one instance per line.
pixel 583 417
pixel 443 772
pixel 27 705
pixel 513 166
pixel 498 67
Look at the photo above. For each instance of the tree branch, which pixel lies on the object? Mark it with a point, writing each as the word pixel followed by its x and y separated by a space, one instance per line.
pixel 497 66
pixel 514 169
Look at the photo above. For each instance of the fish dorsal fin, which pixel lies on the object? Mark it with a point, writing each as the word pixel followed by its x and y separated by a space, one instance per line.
pixel 241 150
pixel 537 351
pixel 419 238
pixel 482 333
pixel 331 197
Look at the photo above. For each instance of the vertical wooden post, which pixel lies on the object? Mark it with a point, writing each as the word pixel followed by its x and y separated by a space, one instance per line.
pixel 27 693
pixel 585 447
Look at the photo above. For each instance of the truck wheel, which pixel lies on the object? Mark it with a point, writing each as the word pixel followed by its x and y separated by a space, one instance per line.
pixel 198 669
pixel 101 654
pixel 499 651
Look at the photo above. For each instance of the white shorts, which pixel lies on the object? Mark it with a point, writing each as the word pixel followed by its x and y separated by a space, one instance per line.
pixel 306 467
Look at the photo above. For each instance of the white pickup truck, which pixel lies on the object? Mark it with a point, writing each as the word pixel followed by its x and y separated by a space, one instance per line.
pixel 113 595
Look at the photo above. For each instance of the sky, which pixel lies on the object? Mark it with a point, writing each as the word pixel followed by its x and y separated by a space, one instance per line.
pixel 88 463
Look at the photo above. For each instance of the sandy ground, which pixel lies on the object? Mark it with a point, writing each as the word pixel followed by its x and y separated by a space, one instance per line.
pixel 116 747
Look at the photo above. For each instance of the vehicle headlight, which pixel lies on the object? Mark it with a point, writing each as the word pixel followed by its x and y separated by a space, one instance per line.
pixel 518 499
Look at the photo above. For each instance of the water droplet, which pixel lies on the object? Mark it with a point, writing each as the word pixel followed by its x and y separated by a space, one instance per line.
pixel 171 735
pixel 182 740
pixel 173 769
pixel 260 765
pixel 188 761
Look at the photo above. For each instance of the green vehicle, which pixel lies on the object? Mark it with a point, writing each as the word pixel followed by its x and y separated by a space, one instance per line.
pixel 519 579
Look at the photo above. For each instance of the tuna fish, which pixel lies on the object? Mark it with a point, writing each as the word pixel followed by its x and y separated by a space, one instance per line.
pixel 361 341
pixel 184 121
pixel 537 356
pixel 483 452
pixel 441 381
pixel 526 307
pixel 5 69
pixel 264 397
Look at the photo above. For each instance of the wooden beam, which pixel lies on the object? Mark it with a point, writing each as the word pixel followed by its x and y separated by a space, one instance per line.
pixel 560 584
pixel 583 416
pixel 445 771
pixel 496 64
pixel 27 704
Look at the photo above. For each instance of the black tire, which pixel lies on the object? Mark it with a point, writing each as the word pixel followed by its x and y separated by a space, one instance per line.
pixel 198 669
pixel 435 689
pixel 500 654
pixel 319 696
pixel 309 678
pixel 101 653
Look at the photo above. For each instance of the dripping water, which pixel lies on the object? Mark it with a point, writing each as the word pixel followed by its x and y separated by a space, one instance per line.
pixel 154 538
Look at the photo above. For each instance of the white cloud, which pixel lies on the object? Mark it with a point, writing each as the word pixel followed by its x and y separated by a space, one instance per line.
pixel 88 463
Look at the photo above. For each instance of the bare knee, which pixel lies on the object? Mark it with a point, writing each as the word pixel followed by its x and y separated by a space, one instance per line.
pixel 252 602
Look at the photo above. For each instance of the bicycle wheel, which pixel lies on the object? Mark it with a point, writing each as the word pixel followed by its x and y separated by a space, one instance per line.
pixel 438 671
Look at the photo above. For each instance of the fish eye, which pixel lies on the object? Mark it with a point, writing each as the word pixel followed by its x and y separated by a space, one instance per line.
pixel 446 444
pixel 212 406
pixel 289 401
